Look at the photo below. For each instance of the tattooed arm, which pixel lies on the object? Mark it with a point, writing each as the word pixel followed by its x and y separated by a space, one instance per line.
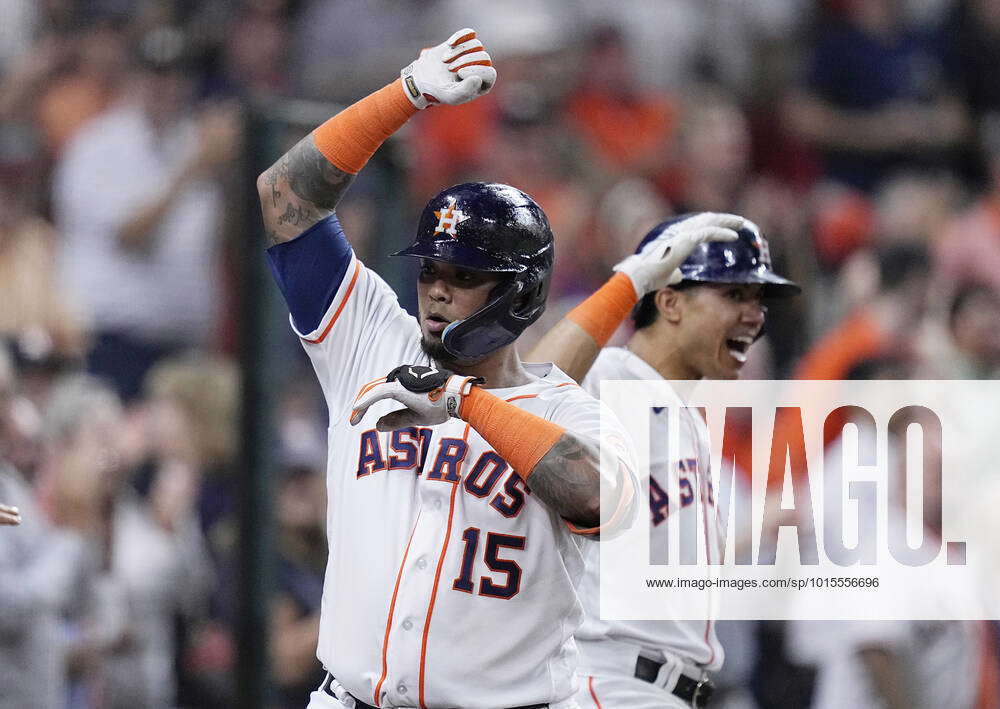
pixel 568 480
pixel 298 190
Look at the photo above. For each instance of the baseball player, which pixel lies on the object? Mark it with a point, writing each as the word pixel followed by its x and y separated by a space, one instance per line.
pixel 9 515
pixel 695 288
pixel 460 480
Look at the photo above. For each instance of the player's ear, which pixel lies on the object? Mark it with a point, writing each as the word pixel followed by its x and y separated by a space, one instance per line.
pixel 668 304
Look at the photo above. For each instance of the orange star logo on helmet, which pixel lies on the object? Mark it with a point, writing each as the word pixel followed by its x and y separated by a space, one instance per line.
pixel 448 219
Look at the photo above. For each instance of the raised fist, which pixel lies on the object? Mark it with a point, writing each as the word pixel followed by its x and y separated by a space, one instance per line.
pixel 453 72
pixel 9 515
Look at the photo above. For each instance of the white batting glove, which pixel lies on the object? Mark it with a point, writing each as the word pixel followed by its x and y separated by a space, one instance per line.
pixel 430 395
pixel 9 515
pixel 453 72
pixel 657 265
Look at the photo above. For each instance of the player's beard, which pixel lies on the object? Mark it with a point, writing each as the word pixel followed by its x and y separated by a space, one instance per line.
pixel 434 348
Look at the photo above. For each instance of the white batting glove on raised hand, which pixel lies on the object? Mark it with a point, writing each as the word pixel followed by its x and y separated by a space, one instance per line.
pixel 430 395
pixel 657 265
pixel 9 515
pixel 453 72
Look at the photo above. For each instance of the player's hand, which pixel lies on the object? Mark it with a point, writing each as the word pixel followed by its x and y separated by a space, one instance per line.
pixel 657 265
pixel 453 72
pixel 430 395
pixel 9 515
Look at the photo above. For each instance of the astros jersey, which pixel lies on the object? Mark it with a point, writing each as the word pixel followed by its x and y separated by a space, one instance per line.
pixel 447 584
pixel 691 641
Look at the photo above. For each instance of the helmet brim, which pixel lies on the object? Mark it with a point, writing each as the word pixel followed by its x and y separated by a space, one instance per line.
pixel 777 287
pixel 774 285
pixel 460 254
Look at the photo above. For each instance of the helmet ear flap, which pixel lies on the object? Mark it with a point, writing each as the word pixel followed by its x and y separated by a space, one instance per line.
pixel 533 292
pixel 525 299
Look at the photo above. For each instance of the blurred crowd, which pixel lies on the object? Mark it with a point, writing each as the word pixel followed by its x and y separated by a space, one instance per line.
pixel 863 136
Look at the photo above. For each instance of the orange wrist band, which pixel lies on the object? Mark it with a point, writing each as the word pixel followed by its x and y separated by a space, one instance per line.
pixel 349 139
pixel 521 438
pixel 602 313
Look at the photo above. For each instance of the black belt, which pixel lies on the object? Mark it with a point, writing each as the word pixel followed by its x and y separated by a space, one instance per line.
pixel 695 692
pixel 358 704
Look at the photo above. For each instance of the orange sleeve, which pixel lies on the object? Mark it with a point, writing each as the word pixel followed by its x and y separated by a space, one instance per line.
pixel 602 313
pixel 349 139
pixel 520 437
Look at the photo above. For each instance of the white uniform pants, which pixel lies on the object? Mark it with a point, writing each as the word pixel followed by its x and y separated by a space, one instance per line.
pixel 624 693
pixel 321 700
pixel 606 678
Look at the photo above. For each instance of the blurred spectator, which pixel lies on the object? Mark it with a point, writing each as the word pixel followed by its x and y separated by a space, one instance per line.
pixel 257 46
pixel 192 417
pixel 843 223
pixel 973 32
pixel 138 204
pixel 676 42
pixel 477 139
pixel 625 127
pixel 895 664
pixel 972 50
pixel 969 248
pixel 301 514
pixel 85 91
pixel 36 316
pixel 970 348
pixel 533 152
pixel 974 314
pixel 21 19
pixel 713 157
pixel 341 50
pixel 887 322
pixel 28 73
pixel 42 569
pixel 915 207
pixel 666 40
pixel 152 564
pixel 875 97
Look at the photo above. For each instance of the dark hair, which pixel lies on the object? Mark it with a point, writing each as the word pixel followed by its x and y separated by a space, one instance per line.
pixel 644 312
pixel 884 366
pixel 898 263
pixel 967 292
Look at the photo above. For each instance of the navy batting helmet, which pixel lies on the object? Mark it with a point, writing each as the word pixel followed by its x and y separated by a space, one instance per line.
pixel 496 228
pixel 745 260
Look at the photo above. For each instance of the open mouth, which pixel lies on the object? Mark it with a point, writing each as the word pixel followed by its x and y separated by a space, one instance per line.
pixel 738 347
pixel 435 323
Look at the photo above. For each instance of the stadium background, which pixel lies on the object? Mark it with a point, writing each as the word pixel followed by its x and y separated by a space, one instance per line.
pixel 863 136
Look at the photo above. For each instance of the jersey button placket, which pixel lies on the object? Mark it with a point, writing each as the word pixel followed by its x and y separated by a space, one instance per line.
pixel 413 600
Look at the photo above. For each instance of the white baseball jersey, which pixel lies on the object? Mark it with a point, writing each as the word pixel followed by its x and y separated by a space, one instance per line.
pixel 448 584
pixel 611 647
